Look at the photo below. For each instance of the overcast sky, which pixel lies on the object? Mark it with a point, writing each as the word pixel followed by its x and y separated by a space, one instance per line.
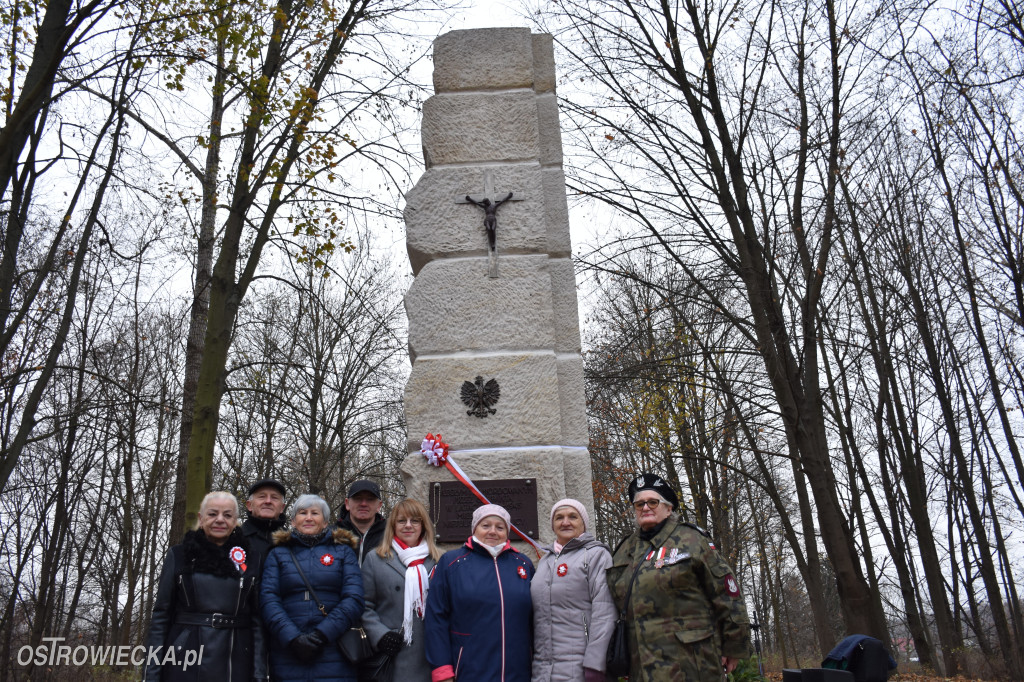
pixel 488 14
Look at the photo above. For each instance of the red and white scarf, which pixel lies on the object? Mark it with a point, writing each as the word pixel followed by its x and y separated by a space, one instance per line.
pixel 416 584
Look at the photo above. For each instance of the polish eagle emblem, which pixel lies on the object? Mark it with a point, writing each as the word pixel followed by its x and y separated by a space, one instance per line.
pixel 480 397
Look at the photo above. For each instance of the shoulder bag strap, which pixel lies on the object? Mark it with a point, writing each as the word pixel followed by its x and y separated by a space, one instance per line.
pixel 629 590
pixel 312 592
pixel 621 543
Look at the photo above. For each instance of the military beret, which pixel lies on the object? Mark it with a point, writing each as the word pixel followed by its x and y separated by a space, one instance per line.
pixel 655 483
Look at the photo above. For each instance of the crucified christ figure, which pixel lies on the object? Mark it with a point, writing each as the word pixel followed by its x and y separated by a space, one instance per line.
pixel 490 216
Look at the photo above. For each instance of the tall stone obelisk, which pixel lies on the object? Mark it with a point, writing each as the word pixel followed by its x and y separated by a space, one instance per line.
pixel 490 130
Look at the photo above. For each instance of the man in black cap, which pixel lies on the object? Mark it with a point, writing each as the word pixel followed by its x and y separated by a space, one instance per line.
pixel 362 516
pixel 265 507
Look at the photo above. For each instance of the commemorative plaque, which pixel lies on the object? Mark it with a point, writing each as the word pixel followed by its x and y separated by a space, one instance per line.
pixel 452 505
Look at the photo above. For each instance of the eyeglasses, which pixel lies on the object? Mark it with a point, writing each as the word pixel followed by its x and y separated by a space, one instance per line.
pixel 650 504
pixel 408 522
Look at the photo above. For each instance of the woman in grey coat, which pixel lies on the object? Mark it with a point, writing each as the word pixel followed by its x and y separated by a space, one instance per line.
pixel 395 583
pixel 573 611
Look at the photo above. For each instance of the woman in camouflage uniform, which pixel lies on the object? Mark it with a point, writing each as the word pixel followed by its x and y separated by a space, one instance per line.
pixel 687 620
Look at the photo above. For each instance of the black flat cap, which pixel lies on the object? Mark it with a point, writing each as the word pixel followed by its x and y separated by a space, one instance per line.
pixel 268 483
pixel 362 485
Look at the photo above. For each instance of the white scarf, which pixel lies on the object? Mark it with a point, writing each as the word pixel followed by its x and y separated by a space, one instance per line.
pixel 416 584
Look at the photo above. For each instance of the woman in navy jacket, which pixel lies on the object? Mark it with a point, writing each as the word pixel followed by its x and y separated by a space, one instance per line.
pixel 479 610
pixel 302 636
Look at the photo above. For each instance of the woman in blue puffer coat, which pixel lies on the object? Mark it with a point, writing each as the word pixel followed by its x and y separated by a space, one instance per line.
pixel 479 611
pixel 302 633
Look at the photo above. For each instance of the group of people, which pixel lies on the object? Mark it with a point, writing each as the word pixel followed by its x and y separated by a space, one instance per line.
pixel 270 597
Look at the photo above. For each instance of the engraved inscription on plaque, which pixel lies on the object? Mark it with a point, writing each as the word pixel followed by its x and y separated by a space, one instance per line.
pixel 452 505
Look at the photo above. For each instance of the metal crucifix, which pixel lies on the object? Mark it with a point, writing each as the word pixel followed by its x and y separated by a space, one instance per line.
pixel 490 205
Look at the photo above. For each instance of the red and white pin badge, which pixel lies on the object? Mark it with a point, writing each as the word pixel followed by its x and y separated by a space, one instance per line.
pixel 327 559
pixel 731 587
pixel 237 556
pixel 521 571
pixel 562 570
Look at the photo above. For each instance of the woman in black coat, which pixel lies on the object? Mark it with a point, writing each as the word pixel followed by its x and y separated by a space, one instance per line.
pixel 204 625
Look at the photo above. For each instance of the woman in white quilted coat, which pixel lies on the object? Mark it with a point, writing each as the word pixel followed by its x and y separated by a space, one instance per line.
pixel 573 611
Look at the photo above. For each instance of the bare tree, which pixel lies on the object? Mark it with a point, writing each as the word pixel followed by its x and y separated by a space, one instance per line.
pixel 734 120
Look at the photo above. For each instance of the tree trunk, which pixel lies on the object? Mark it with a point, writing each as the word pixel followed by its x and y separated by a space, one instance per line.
pixel 966 479
pixel 47 54
pixel 200 295
pixel 9 457
pixel 911 469
pixel 812 574
pixel 843 421
pixel 227 289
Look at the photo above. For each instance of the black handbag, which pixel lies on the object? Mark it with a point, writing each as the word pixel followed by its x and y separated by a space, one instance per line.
pixel 354 645
pixel 617 662
pixel 369 663
pixel 379 668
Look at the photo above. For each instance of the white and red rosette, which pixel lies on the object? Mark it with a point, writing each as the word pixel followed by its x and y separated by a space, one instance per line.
pixel 237 556
pixel 327 559
pixel 562 570
pixel 434 449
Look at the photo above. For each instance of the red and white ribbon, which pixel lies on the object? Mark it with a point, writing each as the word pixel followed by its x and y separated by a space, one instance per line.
pixel 436 452
pixel 434 449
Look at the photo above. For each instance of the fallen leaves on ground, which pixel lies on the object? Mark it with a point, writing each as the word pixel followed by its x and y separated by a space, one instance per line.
pixel 903 677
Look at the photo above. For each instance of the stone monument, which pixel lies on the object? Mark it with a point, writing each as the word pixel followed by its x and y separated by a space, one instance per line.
pixel 493 322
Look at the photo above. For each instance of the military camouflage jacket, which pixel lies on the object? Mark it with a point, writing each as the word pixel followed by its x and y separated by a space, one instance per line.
pixel 685 611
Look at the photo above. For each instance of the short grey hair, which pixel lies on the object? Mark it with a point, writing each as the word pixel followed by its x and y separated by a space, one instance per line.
pixel 309 500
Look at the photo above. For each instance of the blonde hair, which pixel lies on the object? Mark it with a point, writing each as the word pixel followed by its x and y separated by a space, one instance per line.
pixel 217 495
pixel 412 509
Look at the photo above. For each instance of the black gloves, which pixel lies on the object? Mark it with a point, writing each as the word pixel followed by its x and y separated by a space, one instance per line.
pixel 318 638
pixel 391 643
pixel 307 647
